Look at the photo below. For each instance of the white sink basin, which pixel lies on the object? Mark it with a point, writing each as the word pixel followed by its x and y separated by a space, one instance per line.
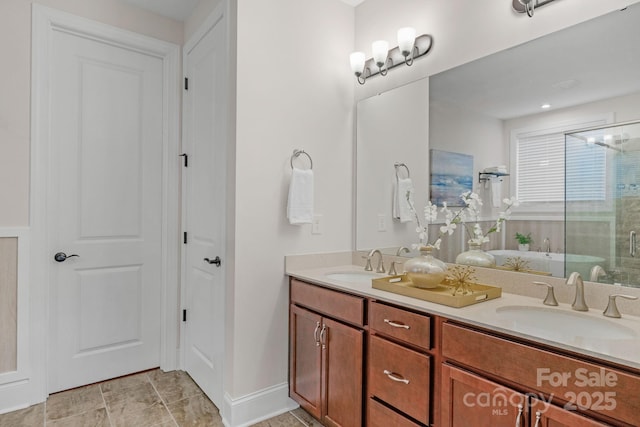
pixel 558 324
pixel 360 277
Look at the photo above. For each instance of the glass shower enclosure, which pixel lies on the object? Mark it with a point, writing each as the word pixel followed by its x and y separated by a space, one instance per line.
pixel 602 203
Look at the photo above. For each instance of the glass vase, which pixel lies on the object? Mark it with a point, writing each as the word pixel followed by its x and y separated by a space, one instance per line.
pixel 476 256
pixel 425 271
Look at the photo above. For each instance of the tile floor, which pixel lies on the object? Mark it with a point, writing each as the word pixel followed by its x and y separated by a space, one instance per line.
pixel 152 398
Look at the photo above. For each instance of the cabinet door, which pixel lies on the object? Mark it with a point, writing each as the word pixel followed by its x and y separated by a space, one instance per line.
pixel 343 349
pixel 546 415
pixel 305 359
pixel 470 400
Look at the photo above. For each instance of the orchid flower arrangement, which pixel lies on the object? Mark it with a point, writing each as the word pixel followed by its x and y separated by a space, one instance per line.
pixel 469 213
pixel 473 204
pixel 430 216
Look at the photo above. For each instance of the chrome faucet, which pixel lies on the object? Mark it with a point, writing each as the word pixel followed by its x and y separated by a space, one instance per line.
pixel 547 245
pixel 380 267
pixel 596 273
pixel 402 250
pixel 579 303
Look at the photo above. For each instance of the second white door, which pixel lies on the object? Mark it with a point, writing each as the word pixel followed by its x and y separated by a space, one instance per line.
pixel 204 207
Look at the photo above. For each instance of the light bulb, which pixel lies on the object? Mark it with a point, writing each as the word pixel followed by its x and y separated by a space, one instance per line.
pixel 357 60
pixel 380 50
pixel 406 39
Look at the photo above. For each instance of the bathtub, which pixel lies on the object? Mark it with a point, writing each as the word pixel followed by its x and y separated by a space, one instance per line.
pixel 551 262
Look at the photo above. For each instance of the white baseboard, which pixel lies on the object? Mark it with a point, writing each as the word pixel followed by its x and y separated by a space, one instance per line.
pixel 16 395
pixel 256 407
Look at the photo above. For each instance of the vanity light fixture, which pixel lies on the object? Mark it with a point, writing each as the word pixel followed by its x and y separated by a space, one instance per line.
pixel 528 6
pixel 545 106
pixel 409 48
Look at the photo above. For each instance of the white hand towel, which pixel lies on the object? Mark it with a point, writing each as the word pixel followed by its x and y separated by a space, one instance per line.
pixel 300 203
pixel 496 191
pixel 400 208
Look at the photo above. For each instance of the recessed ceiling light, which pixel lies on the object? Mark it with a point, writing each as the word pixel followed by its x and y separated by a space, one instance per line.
pixel 545 106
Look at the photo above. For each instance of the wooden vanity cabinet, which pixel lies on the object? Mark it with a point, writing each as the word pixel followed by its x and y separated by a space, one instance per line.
pixel 593 391
pixel 326 360
pixel 399 368
pixel 470 400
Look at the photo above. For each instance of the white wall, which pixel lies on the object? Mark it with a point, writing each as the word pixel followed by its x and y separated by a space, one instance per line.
pixel 463 30
pixel 294 90
pixel 15 81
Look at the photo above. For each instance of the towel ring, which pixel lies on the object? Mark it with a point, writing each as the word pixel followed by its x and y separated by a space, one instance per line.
pixel 297 153
pixel 401 165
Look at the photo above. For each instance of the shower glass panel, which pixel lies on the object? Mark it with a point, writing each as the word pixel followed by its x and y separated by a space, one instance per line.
pixel 602 203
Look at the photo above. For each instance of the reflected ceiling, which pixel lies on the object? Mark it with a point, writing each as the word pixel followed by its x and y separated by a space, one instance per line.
pixel 517 81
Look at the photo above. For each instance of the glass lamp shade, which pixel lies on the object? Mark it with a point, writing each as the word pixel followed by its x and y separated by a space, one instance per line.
pixel 357 60
pixel 380 50
pixel 406 39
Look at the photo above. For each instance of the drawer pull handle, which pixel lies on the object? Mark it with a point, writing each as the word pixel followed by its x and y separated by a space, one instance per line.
pixel 323 336
pixel 396 324
pixel 538 416
pixel 519 417
pixel 395 377
pixel 315 334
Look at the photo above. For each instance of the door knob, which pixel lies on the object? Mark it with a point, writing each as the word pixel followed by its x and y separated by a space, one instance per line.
pixel 61 256
pixel 215 261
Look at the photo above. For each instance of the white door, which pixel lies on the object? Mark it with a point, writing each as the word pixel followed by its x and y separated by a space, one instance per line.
pixel 204 196
pixel 104 205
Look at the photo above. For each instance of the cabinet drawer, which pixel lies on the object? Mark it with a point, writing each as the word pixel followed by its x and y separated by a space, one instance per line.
pixel 326 301
pixel 401 324
pixel 379 415
pixel 594 388
pixel 400 377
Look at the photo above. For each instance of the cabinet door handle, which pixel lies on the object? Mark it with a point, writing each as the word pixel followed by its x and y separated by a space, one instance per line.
pixel 519 417
pixel 395 377
pixel 315 334
pixel 632 244
pixel 323 336
pixel 396 324
pixel 538 416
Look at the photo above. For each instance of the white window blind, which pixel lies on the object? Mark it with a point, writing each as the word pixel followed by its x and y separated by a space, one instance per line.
pixel 541 169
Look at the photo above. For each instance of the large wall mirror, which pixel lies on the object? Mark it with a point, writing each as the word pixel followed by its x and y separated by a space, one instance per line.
pixel 489 109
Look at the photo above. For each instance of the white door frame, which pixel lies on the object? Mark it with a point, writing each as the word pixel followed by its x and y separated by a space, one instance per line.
pixel 46 21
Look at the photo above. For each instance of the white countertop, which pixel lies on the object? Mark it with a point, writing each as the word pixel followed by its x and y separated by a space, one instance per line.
pixel 619 351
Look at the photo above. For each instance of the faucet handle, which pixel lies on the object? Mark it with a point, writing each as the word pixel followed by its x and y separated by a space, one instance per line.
pixel 392 268
pixel 612 307
pixel 368 266
pixel 550 299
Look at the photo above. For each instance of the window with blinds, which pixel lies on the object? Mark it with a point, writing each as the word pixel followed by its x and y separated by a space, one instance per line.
pixel 540 163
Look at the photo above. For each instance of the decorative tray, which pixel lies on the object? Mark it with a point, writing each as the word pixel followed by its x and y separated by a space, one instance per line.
pixel 443 294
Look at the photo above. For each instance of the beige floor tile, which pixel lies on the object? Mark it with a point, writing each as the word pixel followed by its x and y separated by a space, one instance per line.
pixel 153 415
pixel 195 411
pixel 122 383
pixel 284 420
pixel 174 385
pixel 305 418
pixel 33 416
pixel 92 418
pixel 131 399
pixel 74 402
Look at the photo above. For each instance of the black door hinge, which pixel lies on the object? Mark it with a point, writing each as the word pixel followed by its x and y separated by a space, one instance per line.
pixel 186 83
pixel 184 237
pixel 186 159
pixel 184 315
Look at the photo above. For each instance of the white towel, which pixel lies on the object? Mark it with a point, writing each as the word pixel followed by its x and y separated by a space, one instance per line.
pixel 496 191
pixel 300 203
pixel 400 208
